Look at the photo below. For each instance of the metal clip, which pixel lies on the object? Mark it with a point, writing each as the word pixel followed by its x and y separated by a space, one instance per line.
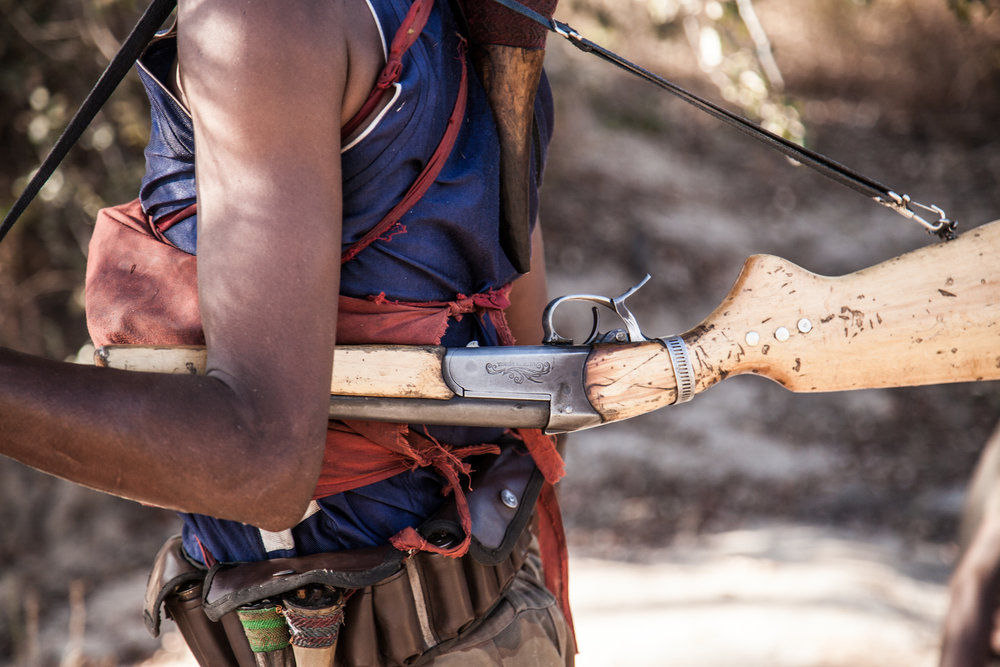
pixel 564 30
pixel 633 332
pixel 943 228
pixel 683 371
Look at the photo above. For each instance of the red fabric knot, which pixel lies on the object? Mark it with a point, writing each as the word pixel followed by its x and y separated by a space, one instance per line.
pixel 389 75
pixel 448 462
pixel 494 299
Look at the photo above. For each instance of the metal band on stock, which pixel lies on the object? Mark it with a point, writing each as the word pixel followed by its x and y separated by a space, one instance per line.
pixel 677 349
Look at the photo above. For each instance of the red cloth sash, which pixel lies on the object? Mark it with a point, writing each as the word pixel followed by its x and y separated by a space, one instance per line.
pixel 360 452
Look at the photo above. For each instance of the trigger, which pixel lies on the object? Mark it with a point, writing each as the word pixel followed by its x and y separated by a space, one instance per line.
pixel 592 336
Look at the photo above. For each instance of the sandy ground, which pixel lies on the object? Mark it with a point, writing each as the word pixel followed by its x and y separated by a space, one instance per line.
pixel 780 596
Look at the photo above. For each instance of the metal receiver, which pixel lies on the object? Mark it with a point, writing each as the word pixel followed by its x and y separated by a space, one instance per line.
pixel 546 373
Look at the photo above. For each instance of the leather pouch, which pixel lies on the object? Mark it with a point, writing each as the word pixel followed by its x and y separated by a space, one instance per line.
pixel 449 600
pixel 139 289
pixel 399 606
pixel 358 643
pixel 175 583
pixel 502 502
pixel 171 571
pixel 396 619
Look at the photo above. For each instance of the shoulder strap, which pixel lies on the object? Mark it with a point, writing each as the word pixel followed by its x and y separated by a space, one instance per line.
pixel 407 34
pixel 900 203
pixel 141 34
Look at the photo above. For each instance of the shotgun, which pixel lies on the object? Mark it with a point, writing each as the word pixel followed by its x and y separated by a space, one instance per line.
pixel 930 316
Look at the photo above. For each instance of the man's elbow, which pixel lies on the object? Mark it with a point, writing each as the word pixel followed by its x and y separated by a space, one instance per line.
pixel 274 492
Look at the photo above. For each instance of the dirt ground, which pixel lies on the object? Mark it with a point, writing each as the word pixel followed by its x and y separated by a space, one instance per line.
pixel 752 524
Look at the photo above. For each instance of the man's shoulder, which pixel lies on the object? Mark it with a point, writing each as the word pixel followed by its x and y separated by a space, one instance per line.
pixel 265 32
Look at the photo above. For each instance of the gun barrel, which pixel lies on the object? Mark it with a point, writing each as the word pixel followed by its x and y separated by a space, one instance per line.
pixel 451 412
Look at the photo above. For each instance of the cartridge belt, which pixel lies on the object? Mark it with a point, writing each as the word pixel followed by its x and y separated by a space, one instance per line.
pixel 426 602
pixel 399 605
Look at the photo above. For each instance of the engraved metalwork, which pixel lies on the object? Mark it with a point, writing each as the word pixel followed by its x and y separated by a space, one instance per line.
pixel 520 374
pixel 545 373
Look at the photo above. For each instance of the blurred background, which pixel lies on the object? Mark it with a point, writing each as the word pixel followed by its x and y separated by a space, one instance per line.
pixel 751 523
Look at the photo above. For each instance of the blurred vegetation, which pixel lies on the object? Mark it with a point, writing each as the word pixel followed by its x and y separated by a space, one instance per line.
pixel 766 63
pixel 51 53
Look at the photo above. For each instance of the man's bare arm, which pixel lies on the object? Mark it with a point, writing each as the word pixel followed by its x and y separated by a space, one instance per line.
pixel 265 81
pixel 529 295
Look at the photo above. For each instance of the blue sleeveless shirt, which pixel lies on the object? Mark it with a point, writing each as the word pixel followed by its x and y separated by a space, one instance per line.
pixel 449 247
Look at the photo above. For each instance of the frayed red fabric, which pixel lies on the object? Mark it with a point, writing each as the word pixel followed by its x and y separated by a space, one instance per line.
pixel 553 550
pixel 450 463
pixel 363 452
pixel 387 322
pixel 543 451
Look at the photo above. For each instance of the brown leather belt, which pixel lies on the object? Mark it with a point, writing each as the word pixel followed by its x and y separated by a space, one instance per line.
pixel 426 601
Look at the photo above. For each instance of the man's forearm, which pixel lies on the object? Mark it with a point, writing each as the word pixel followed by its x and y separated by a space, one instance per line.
pixel 145 437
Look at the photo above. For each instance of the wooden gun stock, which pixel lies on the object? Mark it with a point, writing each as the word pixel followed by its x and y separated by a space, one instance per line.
pixel 930 316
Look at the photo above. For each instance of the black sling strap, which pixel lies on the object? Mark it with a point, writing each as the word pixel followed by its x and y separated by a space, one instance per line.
pixel 141 34
pixel 942 226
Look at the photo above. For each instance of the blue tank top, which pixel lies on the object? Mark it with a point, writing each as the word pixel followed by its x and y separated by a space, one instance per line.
pixel 449 247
